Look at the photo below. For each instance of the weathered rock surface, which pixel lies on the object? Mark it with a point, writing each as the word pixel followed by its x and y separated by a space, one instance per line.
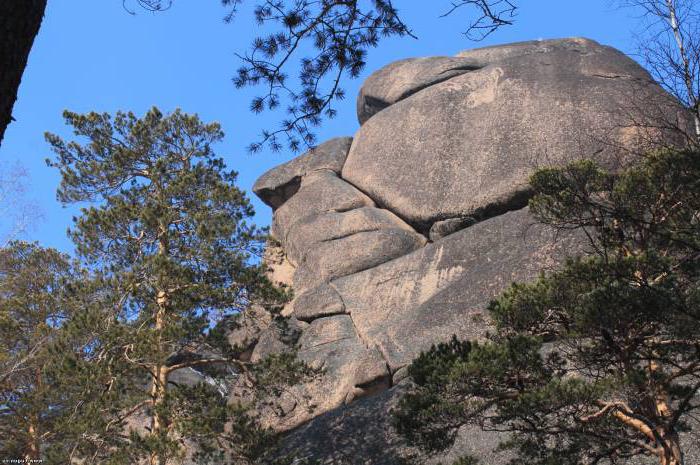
pixel 318 302
pixel 281 182
pixel 310 232
pixel 443 228
pixel 445 150
pixel 496 53
pixel 280 271
pixel 365 327
pixel 330 229
pixel 281 335
pixel 406 305
pixel 247 329
pixel 351 254
pixel 403 78
pixel 361 434
pixel 350 370
pixel 466 146
pixel 320 192
pixel 400 79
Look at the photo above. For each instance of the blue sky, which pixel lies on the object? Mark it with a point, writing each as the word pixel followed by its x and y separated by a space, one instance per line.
pixel 93 55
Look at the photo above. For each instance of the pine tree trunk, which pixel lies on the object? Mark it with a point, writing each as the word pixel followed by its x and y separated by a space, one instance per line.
pixel 33 451
pixel 159 425
pixel 34 442
pixel 19 25
pixel 671 454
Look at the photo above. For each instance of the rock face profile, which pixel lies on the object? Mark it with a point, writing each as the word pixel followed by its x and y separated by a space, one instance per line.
pixel 398 238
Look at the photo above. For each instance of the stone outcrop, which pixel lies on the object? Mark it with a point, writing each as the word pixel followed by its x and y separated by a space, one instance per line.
pixel 312 231
pixel 320 192
pixel 280 183
pixel 361 434
pixel 406 305
pixel 404 78
pixel 465 145
pixel 350 370
pixel 398 238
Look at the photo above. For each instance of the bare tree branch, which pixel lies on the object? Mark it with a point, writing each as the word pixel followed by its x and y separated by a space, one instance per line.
pixel 493 14
pixel 670 47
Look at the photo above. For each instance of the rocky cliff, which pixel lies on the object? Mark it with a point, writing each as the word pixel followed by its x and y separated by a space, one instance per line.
pixel 398 238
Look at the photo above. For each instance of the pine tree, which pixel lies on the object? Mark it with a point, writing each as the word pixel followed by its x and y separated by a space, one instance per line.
pixel 598 362
pixel 173 254
pixel 36 298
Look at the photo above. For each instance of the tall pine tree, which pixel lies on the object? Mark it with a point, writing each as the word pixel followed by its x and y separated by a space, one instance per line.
pixel 168 239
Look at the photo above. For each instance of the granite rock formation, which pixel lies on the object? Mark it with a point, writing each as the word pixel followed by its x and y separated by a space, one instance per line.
pixel 483 125
pixel 398 238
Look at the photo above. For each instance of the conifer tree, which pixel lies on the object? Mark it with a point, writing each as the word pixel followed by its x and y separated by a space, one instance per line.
pixel 169 242
pixel 598 362
pixel 36 298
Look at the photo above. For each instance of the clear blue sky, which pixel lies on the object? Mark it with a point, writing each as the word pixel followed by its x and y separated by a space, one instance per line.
pixel 92 55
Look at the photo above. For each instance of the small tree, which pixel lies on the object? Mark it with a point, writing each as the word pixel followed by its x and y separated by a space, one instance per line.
pixel 36 299
pixel 598 362
pixel 174 254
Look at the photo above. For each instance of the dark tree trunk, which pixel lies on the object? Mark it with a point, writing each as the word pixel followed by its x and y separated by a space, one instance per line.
pixel 19 24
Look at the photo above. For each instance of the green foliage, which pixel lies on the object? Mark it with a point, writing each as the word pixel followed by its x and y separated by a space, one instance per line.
pixel 36 298
pixel 433 366
pixel 599 361
pixel 167 239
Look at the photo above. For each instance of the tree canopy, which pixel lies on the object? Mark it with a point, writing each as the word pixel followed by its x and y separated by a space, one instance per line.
pixel 598 362
pixel 173 255
pixel 36 298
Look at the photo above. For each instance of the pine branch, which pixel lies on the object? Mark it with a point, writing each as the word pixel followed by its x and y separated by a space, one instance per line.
pixel 206 361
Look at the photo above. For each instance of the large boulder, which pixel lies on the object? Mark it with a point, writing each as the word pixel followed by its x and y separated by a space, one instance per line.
pixel 332 244
pixel 466 146
pixel 320 192
pixel 318 302
pixel 403 78
pixel 281 182
pixel 362 434
pixel 330 229
pixel 400 239
pixel 312 231
pixel 406 305
pixel 367 326
pixel 354 253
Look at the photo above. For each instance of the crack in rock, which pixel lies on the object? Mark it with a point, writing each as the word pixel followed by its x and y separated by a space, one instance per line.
pixel 306 349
